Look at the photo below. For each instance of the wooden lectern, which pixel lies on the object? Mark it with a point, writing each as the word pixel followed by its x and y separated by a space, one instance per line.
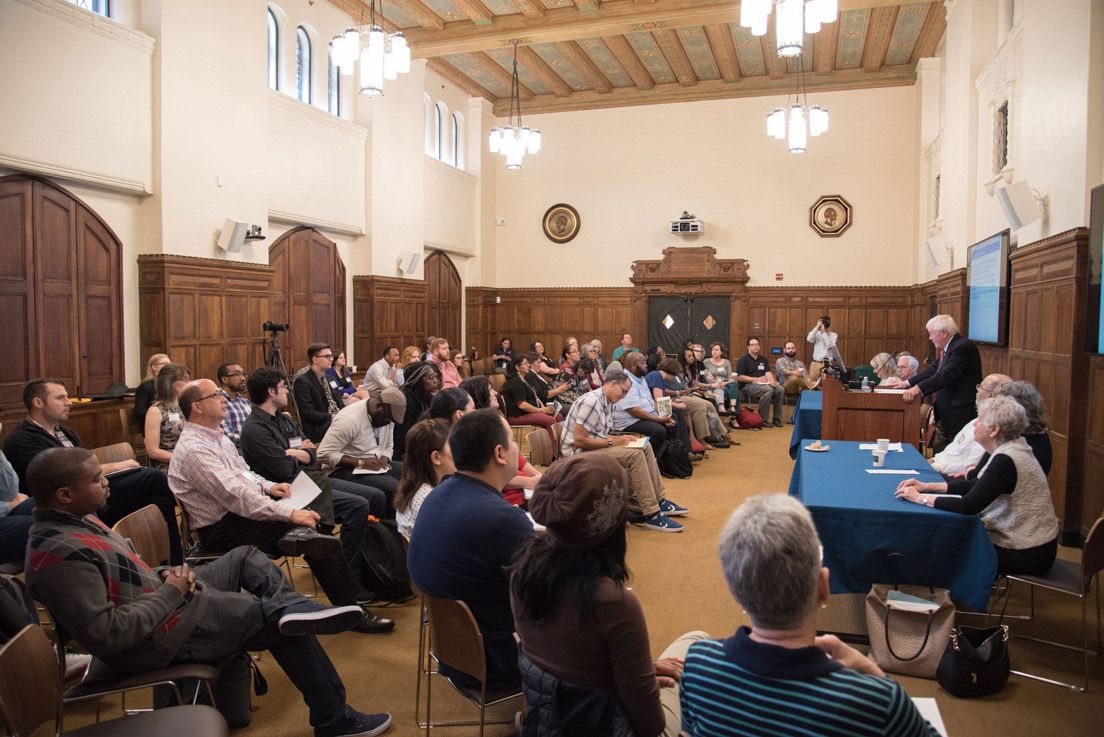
pixel 867 416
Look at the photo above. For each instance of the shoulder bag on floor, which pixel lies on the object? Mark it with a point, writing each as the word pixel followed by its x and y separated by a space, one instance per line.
pixel 385 571
pixel 975 662
pixel 908 626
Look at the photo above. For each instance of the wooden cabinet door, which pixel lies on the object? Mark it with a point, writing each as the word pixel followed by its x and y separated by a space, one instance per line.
pixel 98 278
pixel 55 227
pixel 17 291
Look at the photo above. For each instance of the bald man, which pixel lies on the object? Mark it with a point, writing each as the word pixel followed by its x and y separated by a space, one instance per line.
pixel 964 451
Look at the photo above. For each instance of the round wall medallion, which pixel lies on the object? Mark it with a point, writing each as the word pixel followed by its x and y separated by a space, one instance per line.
pixel 830 216
pixel 561 223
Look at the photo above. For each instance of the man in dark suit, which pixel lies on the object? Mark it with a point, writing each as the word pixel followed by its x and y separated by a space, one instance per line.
pixel 317 395
pixel 953 378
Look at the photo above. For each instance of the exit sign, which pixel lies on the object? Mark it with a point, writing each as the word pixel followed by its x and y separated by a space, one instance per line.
pixel 778 277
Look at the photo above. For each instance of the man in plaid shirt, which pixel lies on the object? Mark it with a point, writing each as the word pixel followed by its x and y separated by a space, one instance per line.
pixel 238 406
pixel 137 618
pixel 229 505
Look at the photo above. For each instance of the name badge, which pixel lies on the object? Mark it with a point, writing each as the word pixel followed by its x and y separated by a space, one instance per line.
pixel 762 367
pixel 295 442
pixel 250 476
pixel 174 417
pixel 333 383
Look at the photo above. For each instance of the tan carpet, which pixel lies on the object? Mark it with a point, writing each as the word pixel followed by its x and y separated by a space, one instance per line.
pixel 679 581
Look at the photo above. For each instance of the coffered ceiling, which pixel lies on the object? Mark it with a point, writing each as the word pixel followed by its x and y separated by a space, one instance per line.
pixel 586 54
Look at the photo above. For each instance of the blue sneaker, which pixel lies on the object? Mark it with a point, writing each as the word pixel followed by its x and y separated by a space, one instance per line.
pixel 671 509
pixel 660 523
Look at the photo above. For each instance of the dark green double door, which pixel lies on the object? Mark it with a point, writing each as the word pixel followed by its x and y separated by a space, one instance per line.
pixel 674 320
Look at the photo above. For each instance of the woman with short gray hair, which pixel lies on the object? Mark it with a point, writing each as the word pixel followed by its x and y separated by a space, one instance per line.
pixel 773 677
pixel 1036 432
pixel 1008 491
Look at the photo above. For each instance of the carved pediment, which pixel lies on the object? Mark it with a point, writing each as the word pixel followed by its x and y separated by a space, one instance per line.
pixel 690 265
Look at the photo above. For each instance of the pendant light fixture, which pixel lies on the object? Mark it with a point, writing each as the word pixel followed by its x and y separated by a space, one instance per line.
pixel 792 20
pixel 798 120
pixel 382 56
pixel 515 139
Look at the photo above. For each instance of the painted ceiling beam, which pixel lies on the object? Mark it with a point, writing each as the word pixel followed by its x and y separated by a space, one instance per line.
pixel 539 69
pixel 673 51
pixel 723 49
pixel 529 8
pixel 626 56
pixel 578 59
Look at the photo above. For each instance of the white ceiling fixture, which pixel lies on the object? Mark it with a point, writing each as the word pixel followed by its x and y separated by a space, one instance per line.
pixel 792 20
pixel 515 139
pixel 798 119
pixel 382 55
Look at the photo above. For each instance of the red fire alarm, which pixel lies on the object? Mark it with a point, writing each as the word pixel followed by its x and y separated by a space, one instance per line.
pixel 778 277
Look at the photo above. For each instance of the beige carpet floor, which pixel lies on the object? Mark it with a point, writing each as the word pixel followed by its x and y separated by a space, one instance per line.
pixel 678 579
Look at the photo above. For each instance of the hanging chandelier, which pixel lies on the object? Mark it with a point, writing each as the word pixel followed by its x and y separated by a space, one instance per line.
pixel 799 120
pixel 383 56
pixel 513 140
pixel 792 20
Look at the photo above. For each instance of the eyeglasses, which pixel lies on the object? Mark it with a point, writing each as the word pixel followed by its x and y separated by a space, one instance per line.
pixel 237 373
pixel 209 396
pixel 325 355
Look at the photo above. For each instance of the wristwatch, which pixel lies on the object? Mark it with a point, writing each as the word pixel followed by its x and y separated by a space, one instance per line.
pixel 360 463
pixel 610 442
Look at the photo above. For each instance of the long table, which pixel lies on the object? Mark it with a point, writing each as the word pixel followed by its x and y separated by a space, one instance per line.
pixel 860 522
pixel 807 419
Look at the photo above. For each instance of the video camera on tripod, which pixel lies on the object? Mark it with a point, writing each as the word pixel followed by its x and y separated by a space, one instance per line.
pixel 274 327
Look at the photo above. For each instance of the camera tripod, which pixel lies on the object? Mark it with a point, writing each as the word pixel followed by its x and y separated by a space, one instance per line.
pixel 274 358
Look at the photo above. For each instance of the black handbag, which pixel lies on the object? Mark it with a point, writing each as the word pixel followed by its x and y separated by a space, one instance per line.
pixel 975 662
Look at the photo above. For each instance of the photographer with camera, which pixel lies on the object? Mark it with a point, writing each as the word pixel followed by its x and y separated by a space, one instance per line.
pixel 824 343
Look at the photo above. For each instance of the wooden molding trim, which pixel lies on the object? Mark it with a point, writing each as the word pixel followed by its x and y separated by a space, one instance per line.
pixel 96 23
pixel 92 179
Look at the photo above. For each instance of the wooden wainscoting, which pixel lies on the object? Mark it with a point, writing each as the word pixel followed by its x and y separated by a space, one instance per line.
pixel 554 315
pixel 1092 505
pixel 480 328
pixel 387 311
pixel 203 312
pixel 97 423
pixel 1048 300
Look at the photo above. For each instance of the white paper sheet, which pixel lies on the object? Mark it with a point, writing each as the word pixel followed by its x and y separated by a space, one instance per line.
pixel 896 447
pixel 900 472
pixel 303 491
pixel 536 525
pixel 930 711
pixel 368 471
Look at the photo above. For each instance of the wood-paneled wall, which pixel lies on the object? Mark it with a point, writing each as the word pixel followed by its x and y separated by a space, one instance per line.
pixel 203 312
pixel 387 311
pixel 97 423
pixel 1092 504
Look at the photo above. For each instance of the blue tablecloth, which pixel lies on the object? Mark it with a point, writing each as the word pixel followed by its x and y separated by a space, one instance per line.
pixel 807 415
pixel 860 522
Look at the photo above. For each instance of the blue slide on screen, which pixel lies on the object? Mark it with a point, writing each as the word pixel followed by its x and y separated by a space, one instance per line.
pixel 985 287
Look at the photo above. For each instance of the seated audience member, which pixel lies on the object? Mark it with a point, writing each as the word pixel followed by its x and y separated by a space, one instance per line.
pixel 421 383
pixel 545 364
pixel 907 366
pixel 383 374
pixel 229 506
pixel 442 359
pixel 232 380
pixel 756 380
pixel 339 371
pixel 317 396
pixel 482 393
pixel 521 402
pixel 361 438
pixel 427 463
pixel 163 421
pixel 770 555
pixel 568 345
pixel 597 356
pixel 964 453
pixel 704 421
pixel 15 514
pixel 48 405
pixel 411 354
pixel 274 447
pixel 449 405
pixel 587 429
pixel 144 394
pixel 625 347
pixel 587 369
pixel 885 368
pixel 466 534
pixel 576 619
pixel 136 618
pixel 683 429
pixel 720 368
pixel 1035 433
pixel 791 372
pixel 571 356
pixel 636 411
pixel 539 381
pixel 458 361
pixel 1009 491
pixel 503 354
pixel 428 354
pixel 576 384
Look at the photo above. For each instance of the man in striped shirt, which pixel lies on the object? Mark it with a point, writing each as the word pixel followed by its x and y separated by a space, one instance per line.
pixel 229 505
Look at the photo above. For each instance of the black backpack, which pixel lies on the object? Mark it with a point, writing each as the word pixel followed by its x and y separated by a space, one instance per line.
pixel 674 460
pixel 384 554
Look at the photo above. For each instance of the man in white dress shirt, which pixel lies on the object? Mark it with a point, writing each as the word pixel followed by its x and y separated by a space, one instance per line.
pixel 384 373
pixel 964 451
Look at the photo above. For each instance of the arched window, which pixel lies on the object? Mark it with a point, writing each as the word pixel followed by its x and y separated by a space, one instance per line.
pixel 100 7
pixel 437 130
pixel 456 140
pixel 273 44
pixel 303 65
pixel 427 131
pixel 334 91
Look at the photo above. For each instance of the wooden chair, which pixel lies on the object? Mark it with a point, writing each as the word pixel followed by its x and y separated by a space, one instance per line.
pixel 540 448
pixel 114 453
pixel 927 431
pixel 1069 578
pixel 521 432
pixel 147 533
pixel 479 366
pixel 497 381
pixel 557 429
pixel 31 694
pixel 455 639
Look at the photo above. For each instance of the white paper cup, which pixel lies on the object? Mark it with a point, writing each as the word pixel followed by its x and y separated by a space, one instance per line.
pixel 879 458
pixel 352 369
pixel 883 444
pixel 528 493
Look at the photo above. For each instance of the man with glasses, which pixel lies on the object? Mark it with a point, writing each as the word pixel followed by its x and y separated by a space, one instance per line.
pixel 317 396
pixel 238 406
pixel 964 452
pixel 229 505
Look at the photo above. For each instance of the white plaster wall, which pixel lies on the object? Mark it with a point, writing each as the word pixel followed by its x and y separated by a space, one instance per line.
pixel 629 171
pixel 78 100
pixel 450 207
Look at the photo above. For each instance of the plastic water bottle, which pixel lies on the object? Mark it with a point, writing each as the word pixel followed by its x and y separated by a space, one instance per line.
pixel 865 384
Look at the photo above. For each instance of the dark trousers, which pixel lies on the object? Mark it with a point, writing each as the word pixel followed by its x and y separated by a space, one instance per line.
pixel 1028 562
pixel 333 572
pixel 654 430
pixel 237 621
pixel 352 512
pixel 132 491
pixel 14 527
pixel 387 482
pixel 681 430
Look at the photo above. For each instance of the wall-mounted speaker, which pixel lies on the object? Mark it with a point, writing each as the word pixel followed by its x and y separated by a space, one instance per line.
pixel 408 262
pixel 233 235
pixel 1020 203
pixel 936 248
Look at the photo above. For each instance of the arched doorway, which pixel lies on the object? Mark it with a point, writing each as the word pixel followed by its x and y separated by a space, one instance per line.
pixel 446 298
pixel 308 292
